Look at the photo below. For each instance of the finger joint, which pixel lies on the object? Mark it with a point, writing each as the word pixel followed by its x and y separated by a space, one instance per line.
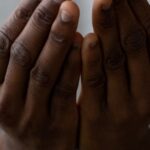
pixel 22 14
pixel 4 45
pixel 43 18
pixel 95 81
pixel 40 76
pixel 21 55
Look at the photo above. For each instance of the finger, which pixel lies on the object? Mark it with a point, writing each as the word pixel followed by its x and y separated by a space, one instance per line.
pixel 93 78
pixel 24 53
pixel 133 40
pixel 11 29
pixel 92 100
pixel 63 109
pixel 48 66
pixel 141 9
pixel 114 59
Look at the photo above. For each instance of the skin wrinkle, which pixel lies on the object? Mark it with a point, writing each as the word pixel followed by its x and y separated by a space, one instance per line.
pixel 110 110
pixel 4 43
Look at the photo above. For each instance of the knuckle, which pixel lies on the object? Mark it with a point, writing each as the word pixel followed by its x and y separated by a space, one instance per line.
pixel 43 17
pixel 20 55
pixel 114 61
pixel 4 44
pixel 135 41
pixel 22 14
pixel 40 76
pixel 58 38
pixel 95 81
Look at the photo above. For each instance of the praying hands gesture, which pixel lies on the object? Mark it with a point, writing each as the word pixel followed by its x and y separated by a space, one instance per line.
pixel 41 59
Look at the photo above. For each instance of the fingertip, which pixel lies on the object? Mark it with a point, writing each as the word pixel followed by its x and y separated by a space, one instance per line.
pixel 90 44
pixel 90 40
pixel 72 9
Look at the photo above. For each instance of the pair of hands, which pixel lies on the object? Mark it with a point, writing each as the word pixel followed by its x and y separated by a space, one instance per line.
pixel 41 59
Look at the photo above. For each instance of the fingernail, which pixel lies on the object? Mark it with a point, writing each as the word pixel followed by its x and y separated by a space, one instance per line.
pixel 65 16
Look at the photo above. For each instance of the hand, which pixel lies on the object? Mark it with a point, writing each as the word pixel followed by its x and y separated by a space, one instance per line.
pixel 39 71
pixel 115 99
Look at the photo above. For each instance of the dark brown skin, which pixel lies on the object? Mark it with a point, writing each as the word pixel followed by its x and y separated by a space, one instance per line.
pixel 40 64
pixel 115 99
